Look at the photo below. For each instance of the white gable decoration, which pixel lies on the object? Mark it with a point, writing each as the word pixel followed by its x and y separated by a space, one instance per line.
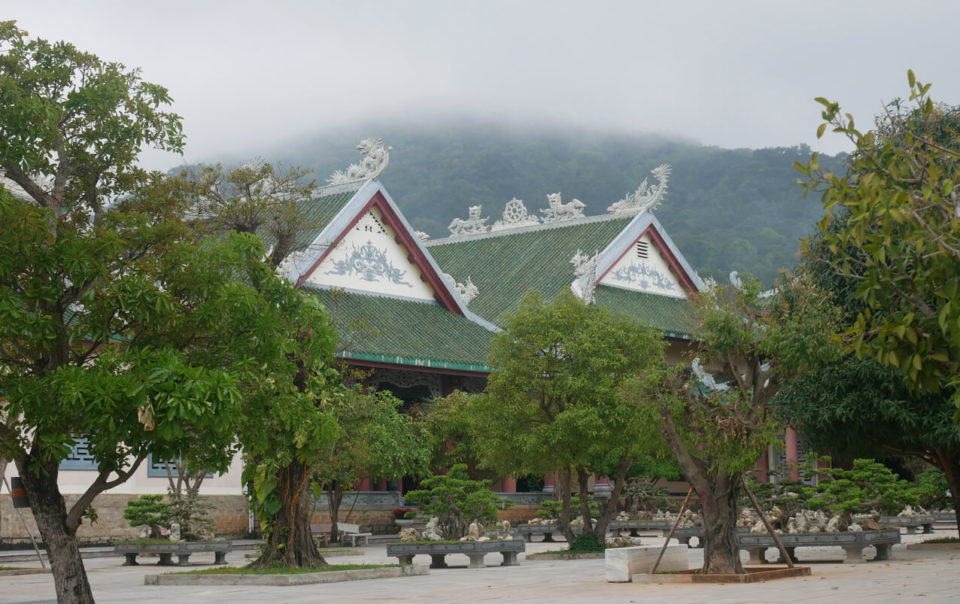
pixel 369 259
pixel 643 269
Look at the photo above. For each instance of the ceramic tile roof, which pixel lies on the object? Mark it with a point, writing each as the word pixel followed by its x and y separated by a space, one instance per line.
pixel 405 332
pixel 506 265
pixel 673 317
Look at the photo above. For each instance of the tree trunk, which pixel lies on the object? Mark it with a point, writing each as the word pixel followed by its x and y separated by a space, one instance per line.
pixel 951 470
pixel 564 484
pixel 290 544
pixel 334 499
pixel 718 504
pixel 584 496
pixel 610 508
pixel 50 512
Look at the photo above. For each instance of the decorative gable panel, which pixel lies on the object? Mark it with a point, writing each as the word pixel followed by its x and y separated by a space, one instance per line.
pixel 642 268
pixel 369 259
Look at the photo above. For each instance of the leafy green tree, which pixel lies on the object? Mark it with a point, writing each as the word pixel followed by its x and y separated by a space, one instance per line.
pixel 374 438
pixel 900 236
pixel 718 427
pixel 104 290
pixel 456 501
pixel 553 403
pixel 290 387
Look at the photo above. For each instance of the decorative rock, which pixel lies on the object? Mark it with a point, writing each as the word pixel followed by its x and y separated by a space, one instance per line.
pixel 855 528
pixel 833 525
pixel 870 525
pixel 474 531
pixel 505 531
pixel 431 532
pixel 174 531
pixel 409 535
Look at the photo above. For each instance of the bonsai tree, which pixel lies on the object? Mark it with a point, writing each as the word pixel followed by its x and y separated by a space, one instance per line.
pixel 190 511
pixel 867 486
pixel 456 501
pixel 149 510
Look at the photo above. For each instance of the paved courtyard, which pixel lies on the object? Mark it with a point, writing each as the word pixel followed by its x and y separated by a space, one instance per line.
pixel 911 576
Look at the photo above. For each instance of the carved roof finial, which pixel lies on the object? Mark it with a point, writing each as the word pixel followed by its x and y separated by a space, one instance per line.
pixel 374 162
pixel 645 198
pixel 515 216
pixel 471 226
pixel 562 211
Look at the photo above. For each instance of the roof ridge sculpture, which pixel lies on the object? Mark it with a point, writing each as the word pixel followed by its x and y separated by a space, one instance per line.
pixel 374 162
pixel 645 198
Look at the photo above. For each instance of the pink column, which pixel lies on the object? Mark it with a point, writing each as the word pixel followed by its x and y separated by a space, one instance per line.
pixel 509 484
pixel 601 487
pixel 760 468
pixel 793 454
pixel 550 483
pixel 364 484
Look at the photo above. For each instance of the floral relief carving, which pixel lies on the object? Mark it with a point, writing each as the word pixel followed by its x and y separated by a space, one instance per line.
pixel 644 276
pixel 370 264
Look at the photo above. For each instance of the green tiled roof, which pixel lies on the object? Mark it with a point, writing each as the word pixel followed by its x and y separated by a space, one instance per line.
pixel 671 316
pixel 505 266
pixel 404 332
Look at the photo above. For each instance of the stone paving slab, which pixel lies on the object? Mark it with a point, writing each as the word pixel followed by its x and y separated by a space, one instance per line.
pixel 912 576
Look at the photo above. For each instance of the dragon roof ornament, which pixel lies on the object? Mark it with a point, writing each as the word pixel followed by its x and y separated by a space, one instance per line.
pixel 645 198
pixel 467 290
pixel 559 211
pixel 473 225
pixel 515 216
pixel 374 162
pixel 586 265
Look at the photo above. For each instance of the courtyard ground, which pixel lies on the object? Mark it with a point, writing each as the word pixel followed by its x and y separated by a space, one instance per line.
pixel 911 576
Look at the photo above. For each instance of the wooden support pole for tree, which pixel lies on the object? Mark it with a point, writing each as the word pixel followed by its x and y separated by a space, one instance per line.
pixel 766 523
pixel 673 528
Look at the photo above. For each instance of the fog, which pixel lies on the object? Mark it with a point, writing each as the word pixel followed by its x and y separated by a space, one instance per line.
pixel 247 76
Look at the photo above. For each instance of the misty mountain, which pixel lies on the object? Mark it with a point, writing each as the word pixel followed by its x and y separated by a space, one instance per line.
pixel 726 209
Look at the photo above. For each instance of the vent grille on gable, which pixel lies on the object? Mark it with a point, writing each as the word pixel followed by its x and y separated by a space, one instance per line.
pixel 642 250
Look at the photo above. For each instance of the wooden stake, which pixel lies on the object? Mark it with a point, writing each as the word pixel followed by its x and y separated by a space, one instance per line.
pixel 766 523
pixel 670 535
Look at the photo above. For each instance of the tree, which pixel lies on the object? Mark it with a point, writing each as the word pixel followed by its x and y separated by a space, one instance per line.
pixel 718 428
pixel 104 288
pixel 900 237
pixel 374 438
pixel 553 402
pixel 456 501
pixel 290 387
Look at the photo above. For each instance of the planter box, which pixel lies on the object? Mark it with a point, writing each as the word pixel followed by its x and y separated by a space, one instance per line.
pixel 753 575
pixel 475 550
pixel 621 563
pixel 182 549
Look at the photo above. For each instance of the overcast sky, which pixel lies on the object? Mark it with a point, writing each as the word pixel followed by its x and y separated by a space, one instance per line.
pixel 249 75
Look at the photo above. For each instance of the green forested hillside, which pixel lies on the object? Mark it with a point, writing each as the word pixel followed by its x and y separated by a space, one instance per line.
pixel 726 209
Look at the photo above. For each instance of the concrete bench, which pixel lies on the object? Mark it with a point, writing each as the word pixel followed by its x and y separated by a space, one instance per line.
pixel 621 563
pixel 911 523
pixel 182 549
pixel 527 531
pixel 475 550
pixel 321 532
pixel 352 532
pixel 853 544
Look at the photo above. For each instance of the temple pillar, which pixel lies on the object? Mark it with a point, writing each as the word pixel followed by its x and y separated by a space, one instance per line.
pixel 364 484
pixel 761 467
pixel 793 454
pixel 509 484
pixel 602 488
pixel 550 483
pixel 381 484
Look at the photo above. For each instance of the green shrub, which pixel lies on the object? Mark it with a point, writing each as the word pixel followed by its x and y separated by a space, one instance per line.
pixel 587 543
pixel 456 500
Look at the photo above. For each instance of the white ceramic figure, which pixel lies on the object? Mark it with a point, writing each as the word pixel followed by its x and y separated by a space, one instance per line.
pixel 374 162
pixel 645 198
pixel 559 211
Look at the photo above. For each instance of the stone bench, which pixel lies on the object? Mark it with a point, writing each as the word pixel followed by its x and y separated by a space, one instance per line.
pixel 475 550
pixel 618 526
pixel 852 543
pixel 527 531
pixel 621 563
pixel 911 523
pixel 182 549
